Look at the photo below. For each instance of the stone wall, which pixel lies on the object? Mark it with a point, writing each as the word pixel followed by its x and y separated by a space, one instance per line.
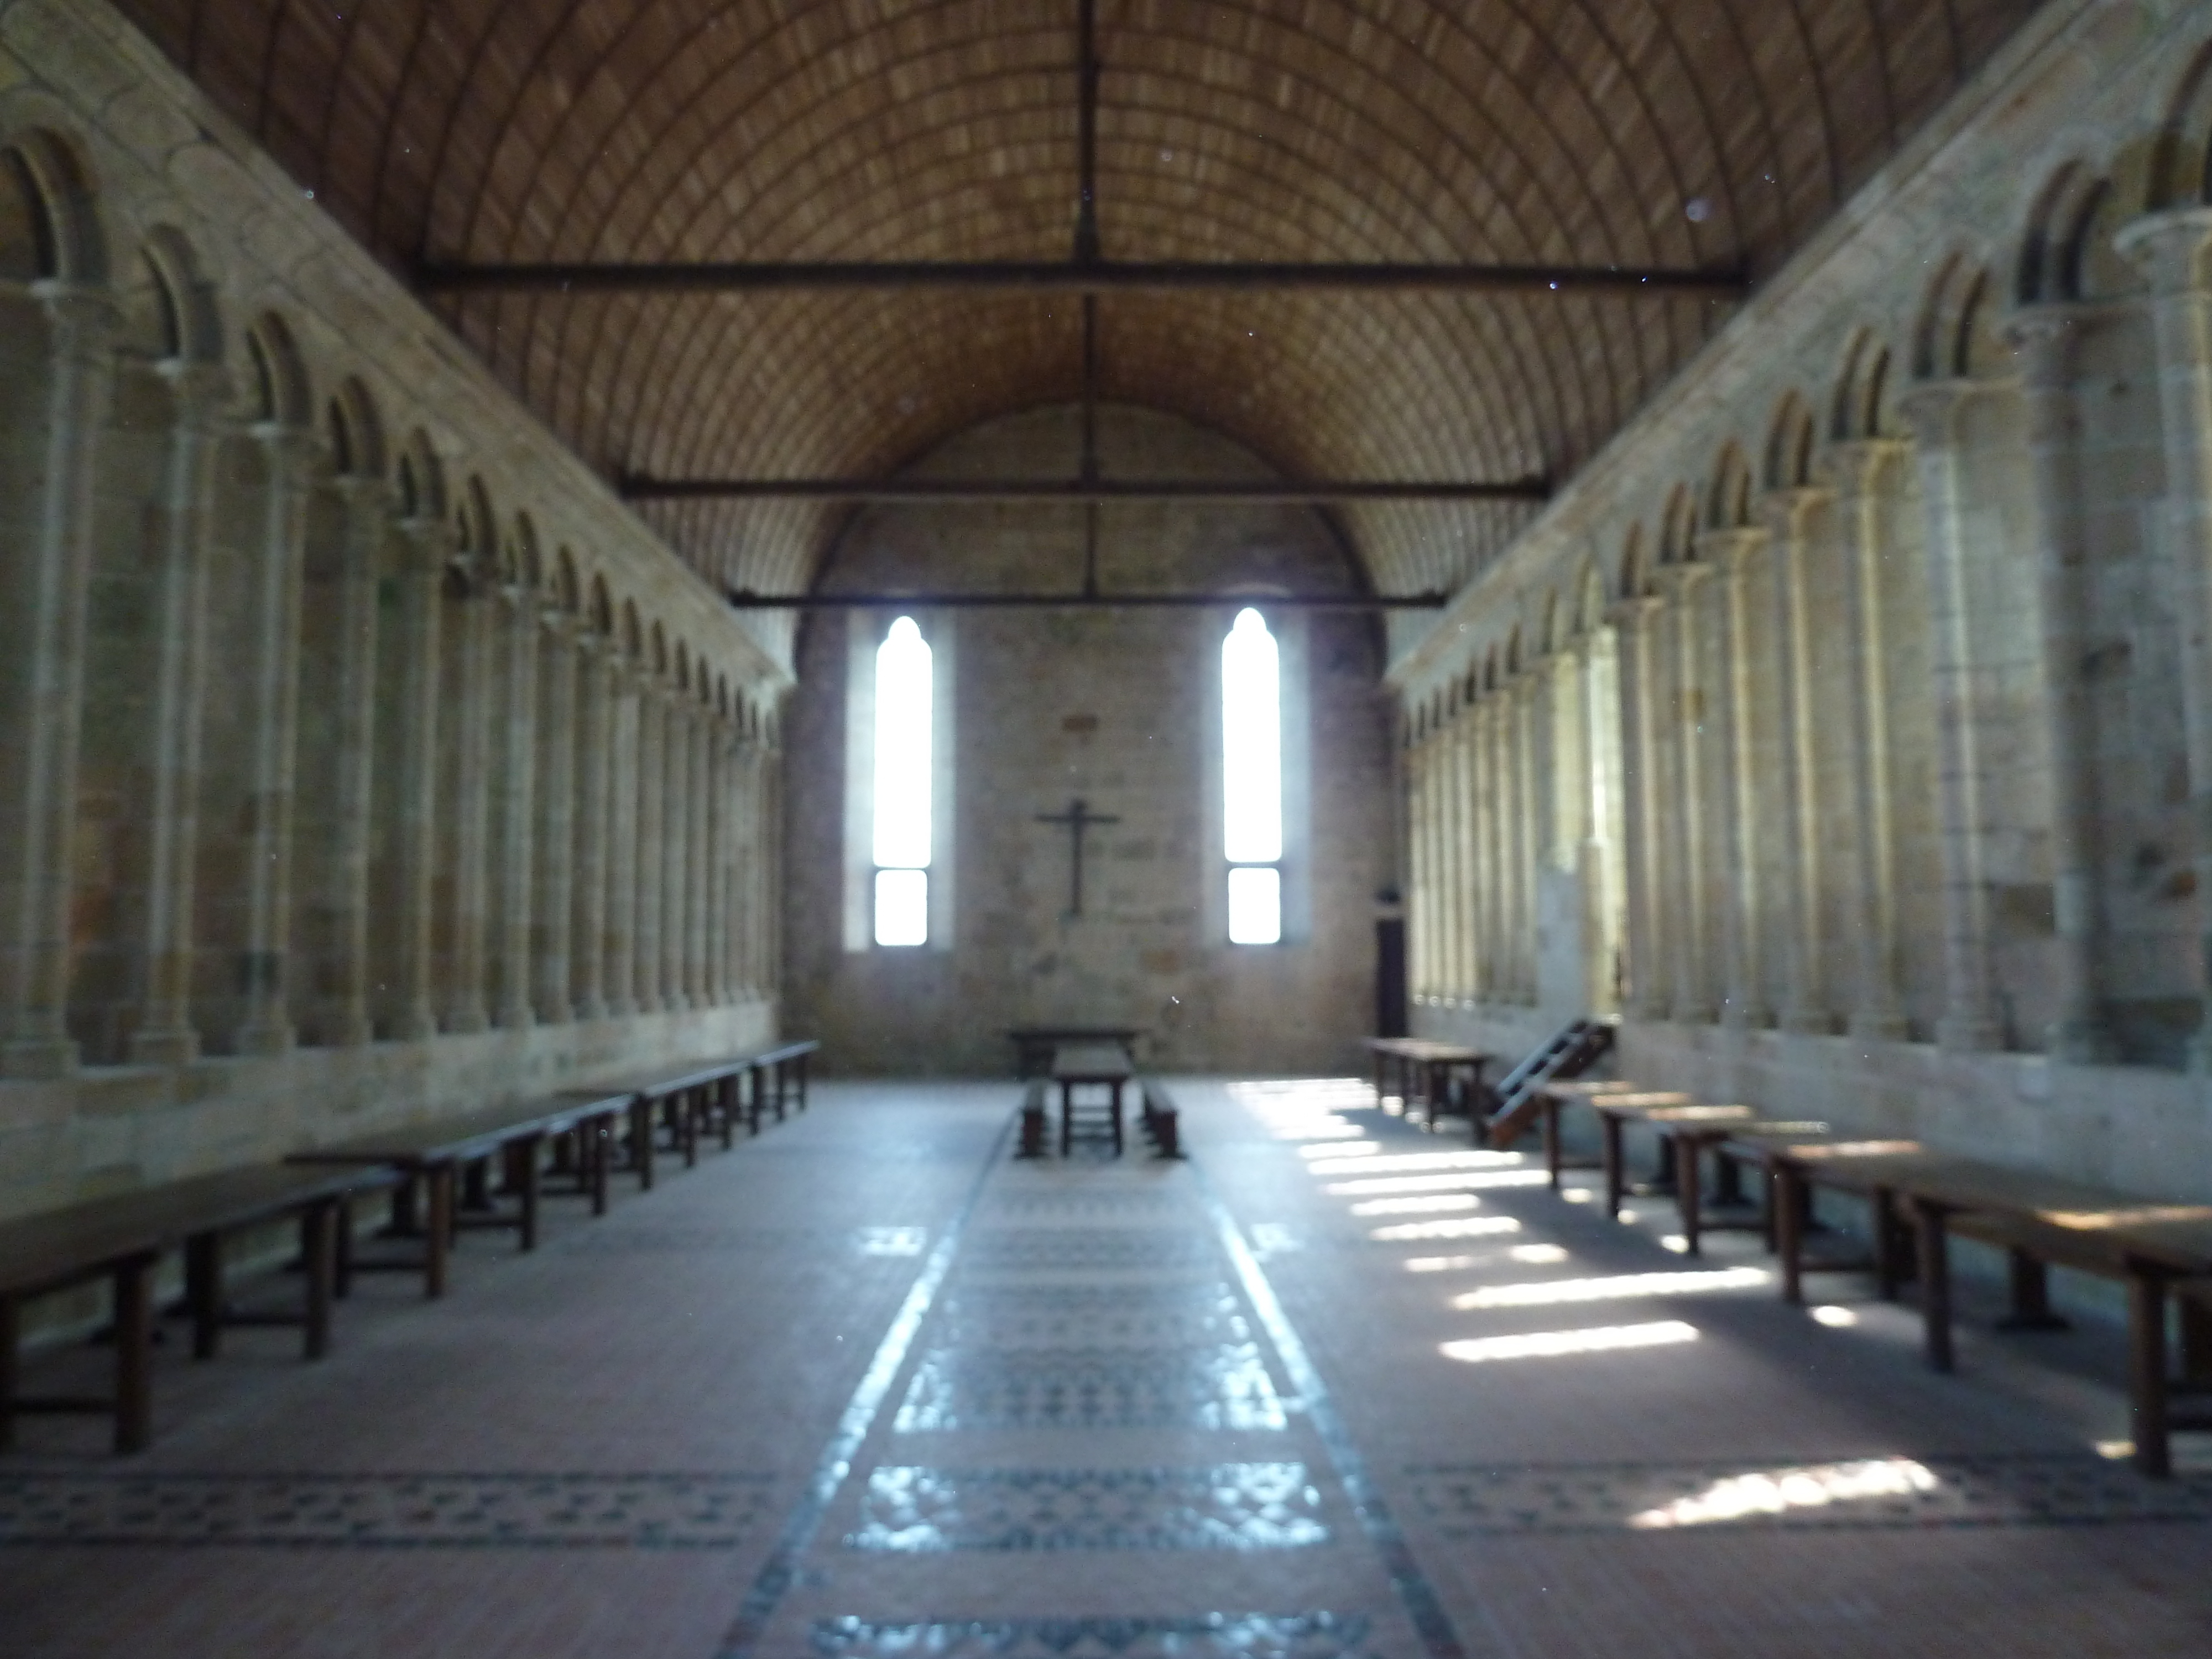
pixel 360 754
pixel 1893 607
pixel 1120 708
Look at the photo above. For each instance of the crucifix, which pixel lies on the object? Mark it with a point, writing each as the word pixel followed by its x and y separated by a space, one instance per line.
pixel 1078 818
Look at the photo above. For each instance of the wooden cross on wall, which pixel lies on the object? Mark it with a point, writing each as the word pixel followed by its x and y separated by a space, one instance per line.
pixel 1078 818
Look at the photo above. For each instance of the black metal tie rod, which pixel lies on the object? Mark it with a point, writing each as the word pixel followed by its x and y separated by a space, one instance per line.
pixel 1081 492
pixel 746 599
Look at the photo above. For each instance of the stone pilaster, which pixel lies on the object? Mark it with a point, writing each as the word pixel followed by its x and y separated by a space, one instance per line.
pixel 595 764
pixel 165 1035
pixel 1743 828
pixel 675 897
pixel 1457 811
pixel 1521 884
pixel 1807 1005
pixel 520 624
pixel 649 864
pixel 1971 1020
pixel 43 579
pixel 1865 468
pixel 287 456
pixel 1635 624
pixel 421 584
pixel 468 809
pixel 343 1020
pixel 552 913
pixel 2174 252
pixel 626 797
pixel 2044 336
pixel 1692 1001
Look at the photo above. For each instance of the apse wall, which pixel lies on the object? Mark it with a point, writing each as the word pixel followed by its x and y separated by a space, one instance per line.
pixel 1119 707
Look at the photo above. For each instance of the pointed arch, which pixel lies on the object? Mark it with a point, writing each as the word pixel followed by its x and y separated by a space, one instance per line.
pixel 67 241
pixel 1789 461
pixel 1679 528
pixel 282 393
pixel 191 317
pixel 1857 410
pixel 2180 173
pixel 356 431
pixel 1728 498
pixel 1950 342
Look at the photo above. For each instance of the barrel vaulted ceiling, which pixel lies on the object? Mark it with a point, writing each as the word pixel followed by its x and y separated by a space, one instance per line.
pixel 1655 133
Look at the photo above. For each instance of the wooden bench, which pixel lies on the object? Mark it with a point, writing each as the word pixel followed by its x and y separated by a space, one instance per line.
pixel 1163 1122
pixel 439 1154
pixel 780 1075
pixel 123 1239
pixel 1033 1119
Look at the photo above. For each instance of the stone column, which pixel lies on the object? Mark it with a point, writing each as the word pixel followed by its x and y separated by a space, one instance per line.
pixel 2044 336
pixel 1693 1001
pixel 626 797
pixel 676 852
pixel 1457 813
pixel 1741 843
pixel 1490 802
pixel 344 1020
pixel 1806 1006
pixel 2174 252
pixel 1970 1020
pixel 165 1034
pixel 649 862
pixel 1520 716
pixel 595 745
pixel 772 863
pixel 421 583
pixel 518 743
pixel 748 917
pixel 287 454
pixel 1863 469
pixel 1597 861
pixel 470 809
pixel 1636 625
pixel 553 844
pixel 701 908
pixel 715 841
pixel 42 617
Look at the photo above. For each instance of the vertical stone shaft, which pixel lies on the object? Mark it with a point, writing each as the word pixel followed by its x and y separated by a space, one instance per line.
pixel 518 741
pixel 165 1035
pixel 1741 843
pixel 1863 472
pixel 626 793
pixel 698 865
pixel 553 844
pixel 344 1020
pixel 1599 875
pixel 1461 890
pixel 1970 1020
pixel 1417 870
pixel 675 850
pixel 595 743
pixel 1805 999
pixel 1522 712
pixel 2172 250
pixel 42 618
pixel 1693 1001
pixel 1637 626
pixel 650 842
pixel 422 654
pixel 470 807
pixel 750 853
pixel 772 867
pixel 2082 1031
pixel 1490 861
pixel 278 579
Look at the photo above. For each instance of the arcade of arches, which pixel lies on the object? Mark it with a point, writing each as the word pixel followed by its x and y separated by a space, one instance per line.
pixel 1828 695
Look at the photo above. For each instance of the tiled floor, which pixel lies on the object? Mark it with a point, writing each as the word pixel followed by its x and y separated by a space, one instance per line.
pixel 1332 1390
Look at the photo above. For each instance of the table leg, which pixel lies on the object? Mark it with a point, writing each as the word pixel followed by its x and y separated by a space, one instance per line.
pixel 1790 1196
pixel 1766 1219
pixel 727 1091
pixel 803 1060
pixel 1067 1117
pixel 1935 1239
pixel 204 1293
pixel 641 1142
pixel 342 1251
pixel 2147 1371
pixel 526 1154
pixel 438 1236
pixel 1616 1181
pixel 11 1333
pixel 134 1355
pixel 319 1255
pixel 1553 1157
pixel 2030 1284
pixel 2196 1341
pixel 1888 1269
pixel 1117 1119
pixel 1688 1199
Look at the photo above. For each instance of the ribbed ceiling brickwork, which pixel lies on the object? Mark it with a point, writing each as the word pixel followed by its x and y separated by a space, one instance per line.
pixel 1635 131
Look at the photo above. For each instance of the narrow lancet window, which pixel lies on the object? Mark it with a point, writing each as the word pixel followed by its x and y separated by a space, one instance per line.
pixel 1252 780
pixel 903 689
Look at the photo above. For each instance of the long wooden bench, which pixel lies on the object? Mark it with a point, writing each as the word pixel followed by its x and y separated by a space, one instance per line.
pixel 783 1070
pixel 1162 1120
pixel 439 1154
pixel 123 1239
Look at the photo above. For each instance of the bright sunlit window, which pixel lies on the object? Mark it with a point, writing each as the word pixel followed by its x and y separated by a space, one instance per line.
pixel 904 675
pixel 1252 780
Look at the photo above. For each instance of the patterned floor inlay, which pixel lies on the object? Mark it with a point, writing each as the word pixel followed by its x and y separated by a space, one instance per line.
pixel 1212 1636
pixel 2025 1490
pixel 384 1511
pixel 1002 1249
pixel 1237 1506
pixel 1090 1315
pixel 1224 1387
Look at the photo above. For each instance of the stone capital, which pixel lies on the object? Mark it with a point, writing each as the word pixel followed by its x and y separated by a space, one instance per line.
pixel 1731 549
pixel 1855 463
pixel 429 545
pixel 1931 408
pixel 85 319
pixel 1681 577
pixel 1630 613
pixel 1783 510
pixel 2172 249
pixel 2043 339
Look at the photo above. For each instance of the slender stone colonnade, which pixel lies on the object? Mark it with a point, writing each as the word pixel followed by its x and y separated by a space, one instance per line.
pixel 347 728
pixel 1898 612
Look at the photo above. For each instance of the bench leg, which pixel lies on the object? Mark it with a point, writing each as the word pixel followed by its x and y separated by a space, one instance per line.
pixel 319 1251
pixel 1689 1200
pixel 476 1185
pixel 1548 1111
pixel 2147 1373
pixel 640 1143
pixel 1616 1181
pixel 11 1368
pixel 134 1355
pixel 1934 1236
pixel 802 1082
pixel 1789 1201
pixel 531 1183
pixel 1888 1269
pixel 727 1090
pixel 438 1236
pixel 2030 1296
pixel 204 1293
pixel 599 1153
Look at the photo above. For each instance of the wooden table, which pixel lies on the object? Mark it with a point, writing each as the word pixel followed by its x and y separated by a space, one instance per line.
pixel 1549 1101
pixel 1034 1045
pixel 122 1239
pixel 1094 1064
pixel 1423 1069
